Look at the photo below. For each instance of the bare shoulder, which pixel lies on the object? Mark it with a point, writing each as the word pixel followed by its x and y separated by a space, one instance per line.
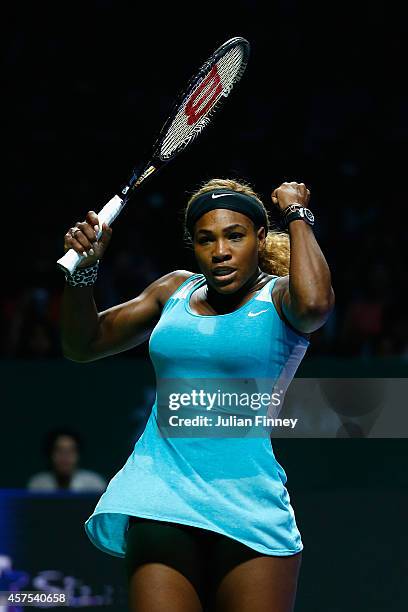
pixel 280 287
pixel 169 283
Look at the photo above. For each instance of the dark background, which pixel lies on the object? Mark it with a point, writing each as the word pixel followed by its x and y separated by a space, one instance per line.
pixel 87 85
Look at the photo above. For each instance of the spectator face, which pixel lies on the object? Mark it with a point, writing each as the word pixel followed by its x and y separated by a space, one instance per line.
pixel 64 456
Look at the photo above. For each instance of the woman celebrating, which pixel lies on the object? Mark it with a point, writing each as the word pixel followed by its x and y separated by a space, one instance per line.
pixel 205 523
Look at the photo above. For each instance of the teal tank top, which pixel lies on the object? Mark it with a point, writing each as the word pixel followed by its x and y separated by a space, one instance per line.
pixel 229 485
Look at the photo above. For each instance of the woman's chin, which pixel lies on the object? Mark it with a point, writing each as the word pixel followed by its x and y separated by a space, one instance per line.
pixel 225 285
pixel 224 280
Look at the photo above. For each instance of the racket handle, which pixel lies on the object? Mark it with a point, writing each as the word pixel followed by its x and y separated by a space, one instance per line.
pixel 109 212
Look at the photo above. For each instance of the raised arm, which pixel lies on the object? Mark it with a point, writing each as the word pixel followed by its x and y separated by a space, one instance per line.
pixel 88 335
pixel 306 295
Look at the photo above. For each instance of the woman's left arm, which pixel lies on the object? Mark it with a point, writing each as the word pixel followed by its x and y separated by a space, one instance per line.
pixel 307 297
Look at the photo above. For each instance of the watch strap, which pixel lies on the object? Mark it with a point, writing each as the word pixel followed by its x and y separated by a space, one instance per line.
pixel 297 211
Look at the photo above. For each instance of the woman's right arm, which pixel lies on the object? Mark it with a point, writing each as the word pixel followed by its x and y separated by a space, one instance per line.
pixel 88 335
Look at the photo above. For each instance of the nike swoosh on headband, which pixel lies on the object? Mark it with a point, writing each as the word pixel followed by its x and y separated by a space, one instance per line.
pixel 220 195
pixel 255 314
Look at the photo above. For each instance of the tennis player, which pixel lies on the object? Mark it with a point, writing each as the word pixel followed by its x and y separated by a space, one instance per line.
pixel 206 523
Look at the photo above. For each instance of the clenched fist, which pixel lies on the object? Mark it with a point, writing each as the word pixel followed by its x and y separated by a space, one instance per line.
pixel 290 193
pixel 83 239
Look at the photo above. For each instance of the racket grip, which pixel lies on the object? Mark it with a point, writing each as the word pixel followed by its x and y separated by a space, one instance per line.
pixel 108 213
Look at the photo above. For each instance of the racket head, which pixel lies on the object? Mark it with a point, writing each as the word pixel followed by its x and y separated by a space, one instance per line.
pixel 194 107
pixel 204 94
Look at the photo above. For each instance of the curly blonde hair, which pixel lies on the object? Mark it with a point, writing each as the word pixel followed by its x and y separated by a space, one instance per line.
pixel 275 256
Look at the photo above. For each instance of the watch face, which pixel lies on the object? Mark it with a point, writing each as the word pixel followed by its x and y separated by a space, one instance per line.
pixel 309 215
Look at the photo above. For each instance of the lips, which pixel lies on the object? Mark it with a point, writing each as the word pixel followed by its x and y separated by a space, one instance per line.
pixel 222 271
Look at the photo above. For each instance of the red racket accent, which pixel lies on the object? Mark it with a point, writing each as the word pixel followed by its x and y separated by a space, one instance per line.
pixel 194 109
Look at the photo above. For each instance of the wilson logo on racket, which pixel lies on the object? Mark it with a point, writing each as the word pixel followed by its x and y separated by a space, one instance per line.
pixel 204 96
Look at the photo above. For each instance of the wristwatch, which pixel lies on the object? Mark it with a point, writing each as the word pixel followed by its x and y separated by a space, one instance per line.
pixel 297 211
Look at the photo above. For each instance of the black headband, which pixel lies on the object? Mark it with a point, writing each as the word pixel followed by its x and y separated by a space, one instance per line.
pixel 231 200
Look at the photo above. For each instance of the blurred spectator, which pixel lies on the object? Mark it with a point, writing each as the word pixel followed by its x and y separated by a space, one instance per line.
pixel 364 327
pixel 30 322
pixel 62 448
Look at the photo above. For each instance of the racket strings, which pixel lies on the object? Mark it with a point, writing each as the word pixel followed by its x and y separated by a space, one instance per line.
pixel 229 69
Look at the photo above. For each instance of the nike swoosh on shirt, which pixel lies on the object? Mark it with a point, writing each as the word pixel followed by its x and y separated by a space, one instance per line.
pixel 255 314
pixel 220 195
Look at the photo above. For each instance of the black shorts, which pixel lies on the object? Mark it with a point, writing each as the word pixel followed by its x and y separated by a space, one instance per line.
pixel 202 556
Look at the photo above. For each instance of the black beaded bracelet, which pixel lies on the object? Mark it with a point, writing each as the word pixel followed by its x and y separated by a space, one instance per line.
pixel 83 277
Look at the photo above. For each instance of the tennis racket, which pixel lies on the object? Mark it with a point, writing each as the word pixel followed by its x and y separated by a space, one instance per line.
pixel 192 112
